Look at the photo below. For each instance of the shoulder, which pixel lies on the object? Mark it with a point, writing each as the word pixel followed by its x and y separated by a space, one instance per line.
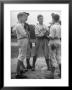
pixel 16 26
pixel 26 24
pixel 37 25
pixel 56 25
pixel 45 26
pixel 52 28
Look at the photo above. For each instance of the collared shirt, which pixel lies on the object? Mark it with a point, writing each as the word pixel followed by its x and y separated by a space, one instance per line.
pixel 40 29
pixel 20 31
pixel 55 30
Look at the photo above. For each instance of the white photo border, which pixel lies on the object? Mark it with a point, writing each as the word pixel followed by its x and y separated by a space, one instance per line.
pixel 8 82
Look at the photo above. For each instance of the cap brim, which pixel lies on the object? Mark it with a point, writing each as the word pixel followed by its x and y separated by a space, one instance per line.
pixel 27 14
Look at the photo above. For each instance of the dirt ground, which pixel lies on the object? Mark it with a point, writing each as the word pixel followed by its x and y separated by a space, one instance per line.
pixel 41 67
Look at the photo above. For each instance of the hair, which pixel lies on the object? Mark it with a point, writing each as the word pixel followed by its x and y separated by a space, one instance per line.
pixel 26 13
pixel 39 16
pixel 19 15
pixel 60 22
pixel 52 14
pixel 56 17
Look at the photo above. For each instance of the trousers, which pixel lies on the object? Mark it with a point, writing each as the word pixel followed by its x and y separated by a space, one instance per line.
pixel 43 43
pixel 55 52
pixel 23 44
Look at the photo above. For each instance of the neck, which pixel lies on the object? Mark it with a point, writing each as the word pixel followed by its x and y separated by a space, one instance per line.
pixel 56 22
pixel 19 21
pixel 24 22
pixel 41 23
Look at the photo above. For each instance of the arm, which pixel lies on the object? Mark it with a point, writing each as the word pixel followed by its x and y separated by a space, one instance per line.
pixel 21 31
pixel 47 32
pixel 52 32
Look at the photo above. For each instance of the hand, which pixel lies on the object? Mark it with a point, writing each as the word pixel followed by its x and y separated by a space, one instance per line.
pixel 42 30
pixel 46 33
pixel 40 35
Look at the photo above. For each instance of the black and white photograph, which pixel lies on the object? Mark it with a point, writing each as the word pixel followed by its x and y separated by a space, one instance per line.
pixel 36 44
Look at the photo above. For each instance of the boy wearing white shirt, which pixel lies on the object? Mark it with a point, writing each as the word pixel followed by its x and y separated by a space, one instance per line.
pixel 40 31
pixel 22 38
pixel 55 42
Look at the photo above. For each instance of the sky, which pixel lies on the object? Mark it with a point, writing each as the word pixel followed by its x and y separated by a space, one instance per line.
pixel 32 19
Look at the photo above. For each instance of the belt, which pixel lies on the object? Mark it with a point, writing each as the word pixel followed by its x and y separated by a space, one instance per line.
pixel 55 38
pixel 22 38
pixel 39 37
pixel 43 37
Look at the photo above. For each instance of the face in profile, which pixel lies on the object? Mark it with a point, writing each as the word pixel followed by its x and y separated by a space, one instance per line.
pixel 40 19
pixel 24 18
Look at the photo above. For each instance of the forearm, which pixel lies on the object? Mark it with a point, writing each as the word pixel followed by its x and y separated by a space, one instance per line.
pixel 24 35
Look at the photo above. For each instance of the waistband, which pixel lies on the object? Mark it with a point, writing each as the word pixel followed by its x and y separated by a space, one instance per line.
pixel 22 38
pixel 55 38
pixel 43 37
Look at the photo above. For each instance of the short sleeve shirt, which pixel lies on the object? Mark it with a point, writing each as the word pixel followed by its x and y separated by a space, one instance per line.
pixel 20 31
pixel 40 29
pixel 55 30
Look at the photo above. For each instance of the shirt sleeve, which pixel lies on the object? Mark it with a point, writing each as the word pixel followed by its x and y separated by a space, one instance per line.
pixel 52 31
pixel 47 29
pixel 21 31
pixel 14 28
pixel 58 31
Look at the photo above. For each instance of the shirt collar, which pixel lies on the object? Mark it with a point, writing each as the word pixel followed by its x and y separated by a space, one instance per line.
pixel 39 24
pixel 21 23
pixel 56 23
